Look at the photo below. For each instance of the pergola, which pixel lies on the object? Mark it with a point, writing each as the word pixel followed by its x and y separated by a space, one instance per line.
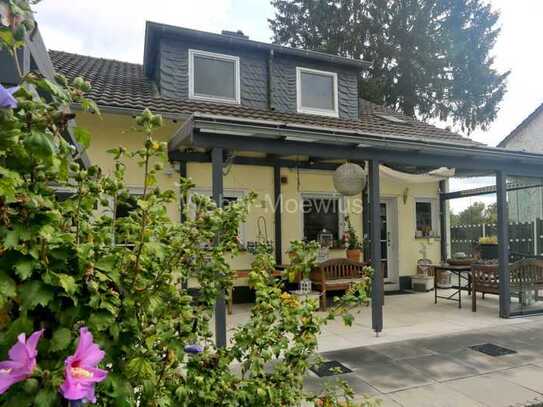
pixel 206 138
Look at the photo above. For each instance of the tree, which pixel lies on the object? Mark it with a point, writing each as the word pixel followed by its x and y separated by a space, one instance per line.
pixel 429 58
pixel 476 214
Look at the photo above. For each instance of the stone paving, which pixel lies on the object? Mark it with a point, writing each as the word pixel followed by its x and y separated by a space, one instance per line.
pixel 442 371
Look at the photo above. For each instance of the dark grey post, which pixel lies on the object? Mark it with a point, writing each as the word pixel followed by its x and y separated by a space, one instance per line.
pixel 443 219
pixel 182 207
pixel 277 213
pixel 218 192
pixel 182 202
pixel 503 244
pixel 375 249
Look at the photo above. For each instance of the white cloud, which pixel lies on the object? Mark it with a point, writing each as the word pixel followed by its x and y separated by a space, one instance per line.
pixel 116 28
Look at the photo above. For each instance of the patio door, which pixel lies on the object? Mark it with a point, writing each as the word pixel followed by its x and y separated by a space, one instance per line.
pixel 389 243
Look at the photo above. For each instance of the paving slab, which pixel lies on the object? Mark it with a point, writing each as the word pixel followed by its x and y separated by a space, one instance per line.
pixel 356 357
pixel 391 376
pixel 433 395
pixel 315 384
pixel 492 390
pixel 455 343
pixel 481 362
pixel 440 367
pixel 530 377
pixel 402 350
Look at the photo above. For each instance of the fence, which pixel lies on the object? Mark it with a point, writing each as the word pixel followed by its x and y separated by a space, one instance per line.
pixel 524 238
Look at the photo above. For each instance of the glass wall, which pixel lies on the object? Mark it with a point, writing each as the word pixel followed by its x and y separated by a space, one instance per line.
pixel 525 218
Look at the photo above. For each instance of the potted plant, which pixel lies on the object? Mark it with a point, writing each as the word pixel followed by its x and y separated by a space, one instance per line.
pixel 489 247
pixel 353 246
pixel 303 257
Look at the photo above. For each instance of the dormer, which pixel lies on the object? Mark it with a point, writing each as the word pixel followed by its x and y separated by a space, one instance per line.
pixel 230 68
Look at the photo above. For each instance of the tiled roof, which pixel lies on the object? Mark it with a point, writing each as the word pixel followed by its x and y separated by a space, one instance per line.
pixel 124 85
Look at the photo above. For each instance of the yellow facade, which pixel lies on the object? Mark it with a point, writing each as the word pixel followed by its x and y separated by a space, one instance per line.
pixel 116 129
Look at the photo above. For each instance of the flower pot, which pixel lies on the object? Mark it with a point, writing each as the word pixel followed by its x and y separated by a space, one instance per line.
pixel 489 251
pixel 444 279
pixel 354 255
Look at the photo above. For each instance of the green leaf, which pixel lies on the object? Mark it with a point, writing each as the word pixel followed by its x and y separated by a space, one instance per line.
pixel 348 319
pixel 6 37
pixel 53 89
pixel 34 293
pixel 101 321
pixel 47 398
pixel 140 368
pixel 68 283
pixel 106 263
pixel 82 136
pixel 61 339
pixel 24 268
pixel 40 145
pixel 8 288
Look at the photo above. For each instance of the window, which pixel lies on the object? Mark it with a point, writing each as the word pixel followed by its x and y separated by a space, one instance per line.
pixel 317 92
pixel 321 212
pixel 213 77
pixel 426 217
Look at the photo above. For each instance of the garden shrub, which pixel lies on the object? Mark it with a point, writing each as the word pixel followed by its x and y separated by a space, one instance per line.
pixel 70 265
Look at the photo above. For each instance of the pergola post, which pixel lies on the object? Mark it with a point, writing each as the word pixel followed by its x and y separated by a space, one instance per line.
pixel 277 199
pixel 443 219
pixel 375 249
pixel 503 244
pixel 182 206
pixel 182 203
pixel 218 193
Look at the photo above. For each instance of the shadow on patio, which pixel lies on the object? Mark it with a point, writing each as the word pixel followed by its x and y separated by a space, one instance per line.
pixel 406 316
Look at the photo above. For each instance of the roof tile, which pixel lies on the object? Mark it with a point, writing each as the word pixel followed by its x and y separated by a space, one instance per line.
pixel 124 85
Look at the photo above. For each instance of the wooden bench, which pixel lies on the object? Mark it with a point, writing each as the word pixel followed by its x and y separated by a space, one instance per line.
pixel 525 275
pixel 335 275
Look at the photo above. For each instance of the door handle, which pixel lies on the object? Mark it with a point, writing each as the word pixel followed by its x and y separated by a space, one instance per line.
pixel 388 239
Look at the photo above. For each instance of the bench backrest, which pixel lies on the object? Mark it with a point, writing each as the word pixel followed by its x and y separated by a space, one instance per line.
pixel 339 269
pixel 522 272
pixel 527 272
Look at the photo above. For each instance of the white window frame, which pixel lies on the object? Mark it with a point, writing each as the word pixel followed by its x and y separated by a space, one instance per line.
pixel 223 57
pixel 312 110
pixel 323 195
pixel 434 207
pixel 227 193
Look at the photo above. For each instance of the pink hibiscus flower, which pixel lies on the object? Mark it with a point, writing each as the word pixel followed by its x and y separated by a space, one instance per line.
pixel 80 372
pixel 22 361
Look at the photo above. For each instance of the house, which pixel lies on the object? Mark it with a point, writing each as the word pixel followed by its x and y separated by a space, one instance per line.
pixel 247 116
pixel 228 75
pixel 526 205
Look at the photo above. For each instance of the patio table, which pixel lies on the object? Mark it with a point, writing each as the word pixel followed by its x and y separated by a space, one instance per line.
pixel 461 271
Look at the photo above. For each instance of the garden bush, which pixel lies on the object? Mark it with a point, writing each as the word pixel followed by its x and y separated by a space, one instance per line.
pixel 76 277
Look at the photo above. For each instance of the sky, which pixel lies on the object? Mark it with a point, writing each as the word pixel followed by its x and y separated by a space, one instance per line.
pixel 116 28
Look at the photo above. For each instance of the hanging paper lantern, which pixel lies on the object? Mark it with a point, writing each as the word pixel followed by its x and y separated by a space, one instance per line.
pixel 349 179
